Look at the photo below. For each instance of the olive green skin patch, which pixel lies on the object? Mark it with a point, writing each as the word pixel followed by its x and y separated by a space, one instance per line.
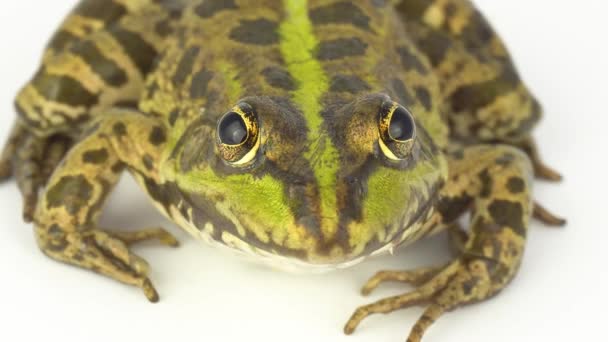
pixel 302 133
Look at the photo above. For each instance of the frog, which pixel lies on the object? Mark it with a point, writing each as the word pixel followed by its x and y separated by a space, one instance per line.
pixel 307 134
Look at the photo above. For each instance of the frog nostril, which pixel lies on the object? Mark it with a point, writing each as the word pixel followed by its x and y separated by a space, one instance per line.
pixel 352 180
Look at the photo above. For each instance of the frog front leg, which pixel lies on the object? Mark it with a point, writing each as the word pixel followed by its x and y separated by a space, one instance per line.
pixel 494 182
pixel 67 214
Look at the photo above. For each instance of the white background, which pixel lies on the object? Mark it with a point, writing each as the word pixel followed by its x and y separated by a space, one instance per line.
pixel 206 295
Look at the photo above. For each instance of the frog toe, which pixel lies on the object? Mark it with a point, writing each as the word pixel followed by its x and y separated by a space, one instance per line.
pixel 8 152
pixel 5 169
pixel 414 277
pixel 143 235
pixel 27 169
pixel 547 217
pixel 541 170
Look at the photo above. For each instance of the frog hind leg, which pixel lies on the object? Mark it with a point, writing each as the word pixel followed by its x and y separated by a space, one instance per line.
pixel 498 195
pixel 484 97
pixel 67 214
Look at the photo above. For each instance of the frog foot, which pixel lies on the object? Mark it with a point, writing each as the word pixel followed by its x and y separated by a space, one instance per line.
pixel 465 280
pixel 31 160
pixel 107 253
pixel 142 235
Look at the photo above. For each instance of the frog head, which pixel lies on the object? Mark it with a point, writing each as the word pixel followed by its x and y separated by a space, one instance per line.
pixel 263 177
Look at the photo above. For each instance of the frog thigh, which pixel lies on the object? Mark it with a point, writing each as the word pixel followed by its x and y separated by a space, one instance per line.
pixel 68 211
pixel 484 97
pixel 98 59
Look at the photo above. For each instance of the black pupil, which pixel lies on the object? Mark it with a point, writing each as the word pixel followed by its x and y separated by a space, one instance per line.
pixel 402 125
pixel 232 129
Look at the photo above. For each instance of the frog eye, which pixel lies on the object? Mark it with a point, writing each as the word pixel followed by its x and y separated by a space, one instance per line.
pixel 397 131
pixel 232 129
pixel 237 135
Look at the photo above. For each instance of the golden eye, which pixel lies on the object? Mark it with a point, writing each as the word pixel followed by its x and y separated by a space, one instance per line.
pixel 397 131
pixel 237 136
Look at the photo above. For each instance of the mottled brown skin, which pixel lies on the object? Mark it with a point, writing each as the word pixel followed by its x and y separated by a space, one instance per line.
pixel 321 175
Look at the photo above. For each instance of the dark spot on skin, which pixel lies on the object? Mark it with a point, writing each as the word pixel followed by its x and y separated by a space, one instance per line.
pixel 148 162
pixel 131 104
pixel 167 194
pixel 516 185
pixel 56 245
pixel 139 51
pixel 105 11
pixel 174 8
pixel 152 89
pixel 101 65
pixel 401 92
pixel 163 28
pixel 486 184
pixel 477 32
pixel 348 83
pixel 56 232
pixel 509 214
pixel 184 69
pixel 435 46
pixel 279 78
pixel 340 13
pixel 451 208
pixel 409 61
pixel 173 117
pixel 119 129
pixel 71 192
pixel 457 155
pixel 200 84
pixel 64 89
pixel 473 97
pixel 256 32
pixel 61 40
pixel 341 48
pixel 424 97
pixel 413 9
pixel 209 8
pixel 95 156
pixel 450 9
pixel 118 167
pixel 469 285
pixel 157 136
pixel 78 256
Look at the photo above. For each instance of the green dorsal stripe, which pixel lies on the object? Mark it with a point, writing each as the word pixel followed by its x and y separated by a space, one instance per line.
pixel 298 44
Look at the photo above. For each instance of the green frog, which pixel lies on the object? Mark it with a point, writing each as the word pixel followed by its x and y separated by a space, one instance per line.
pixel 303 133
